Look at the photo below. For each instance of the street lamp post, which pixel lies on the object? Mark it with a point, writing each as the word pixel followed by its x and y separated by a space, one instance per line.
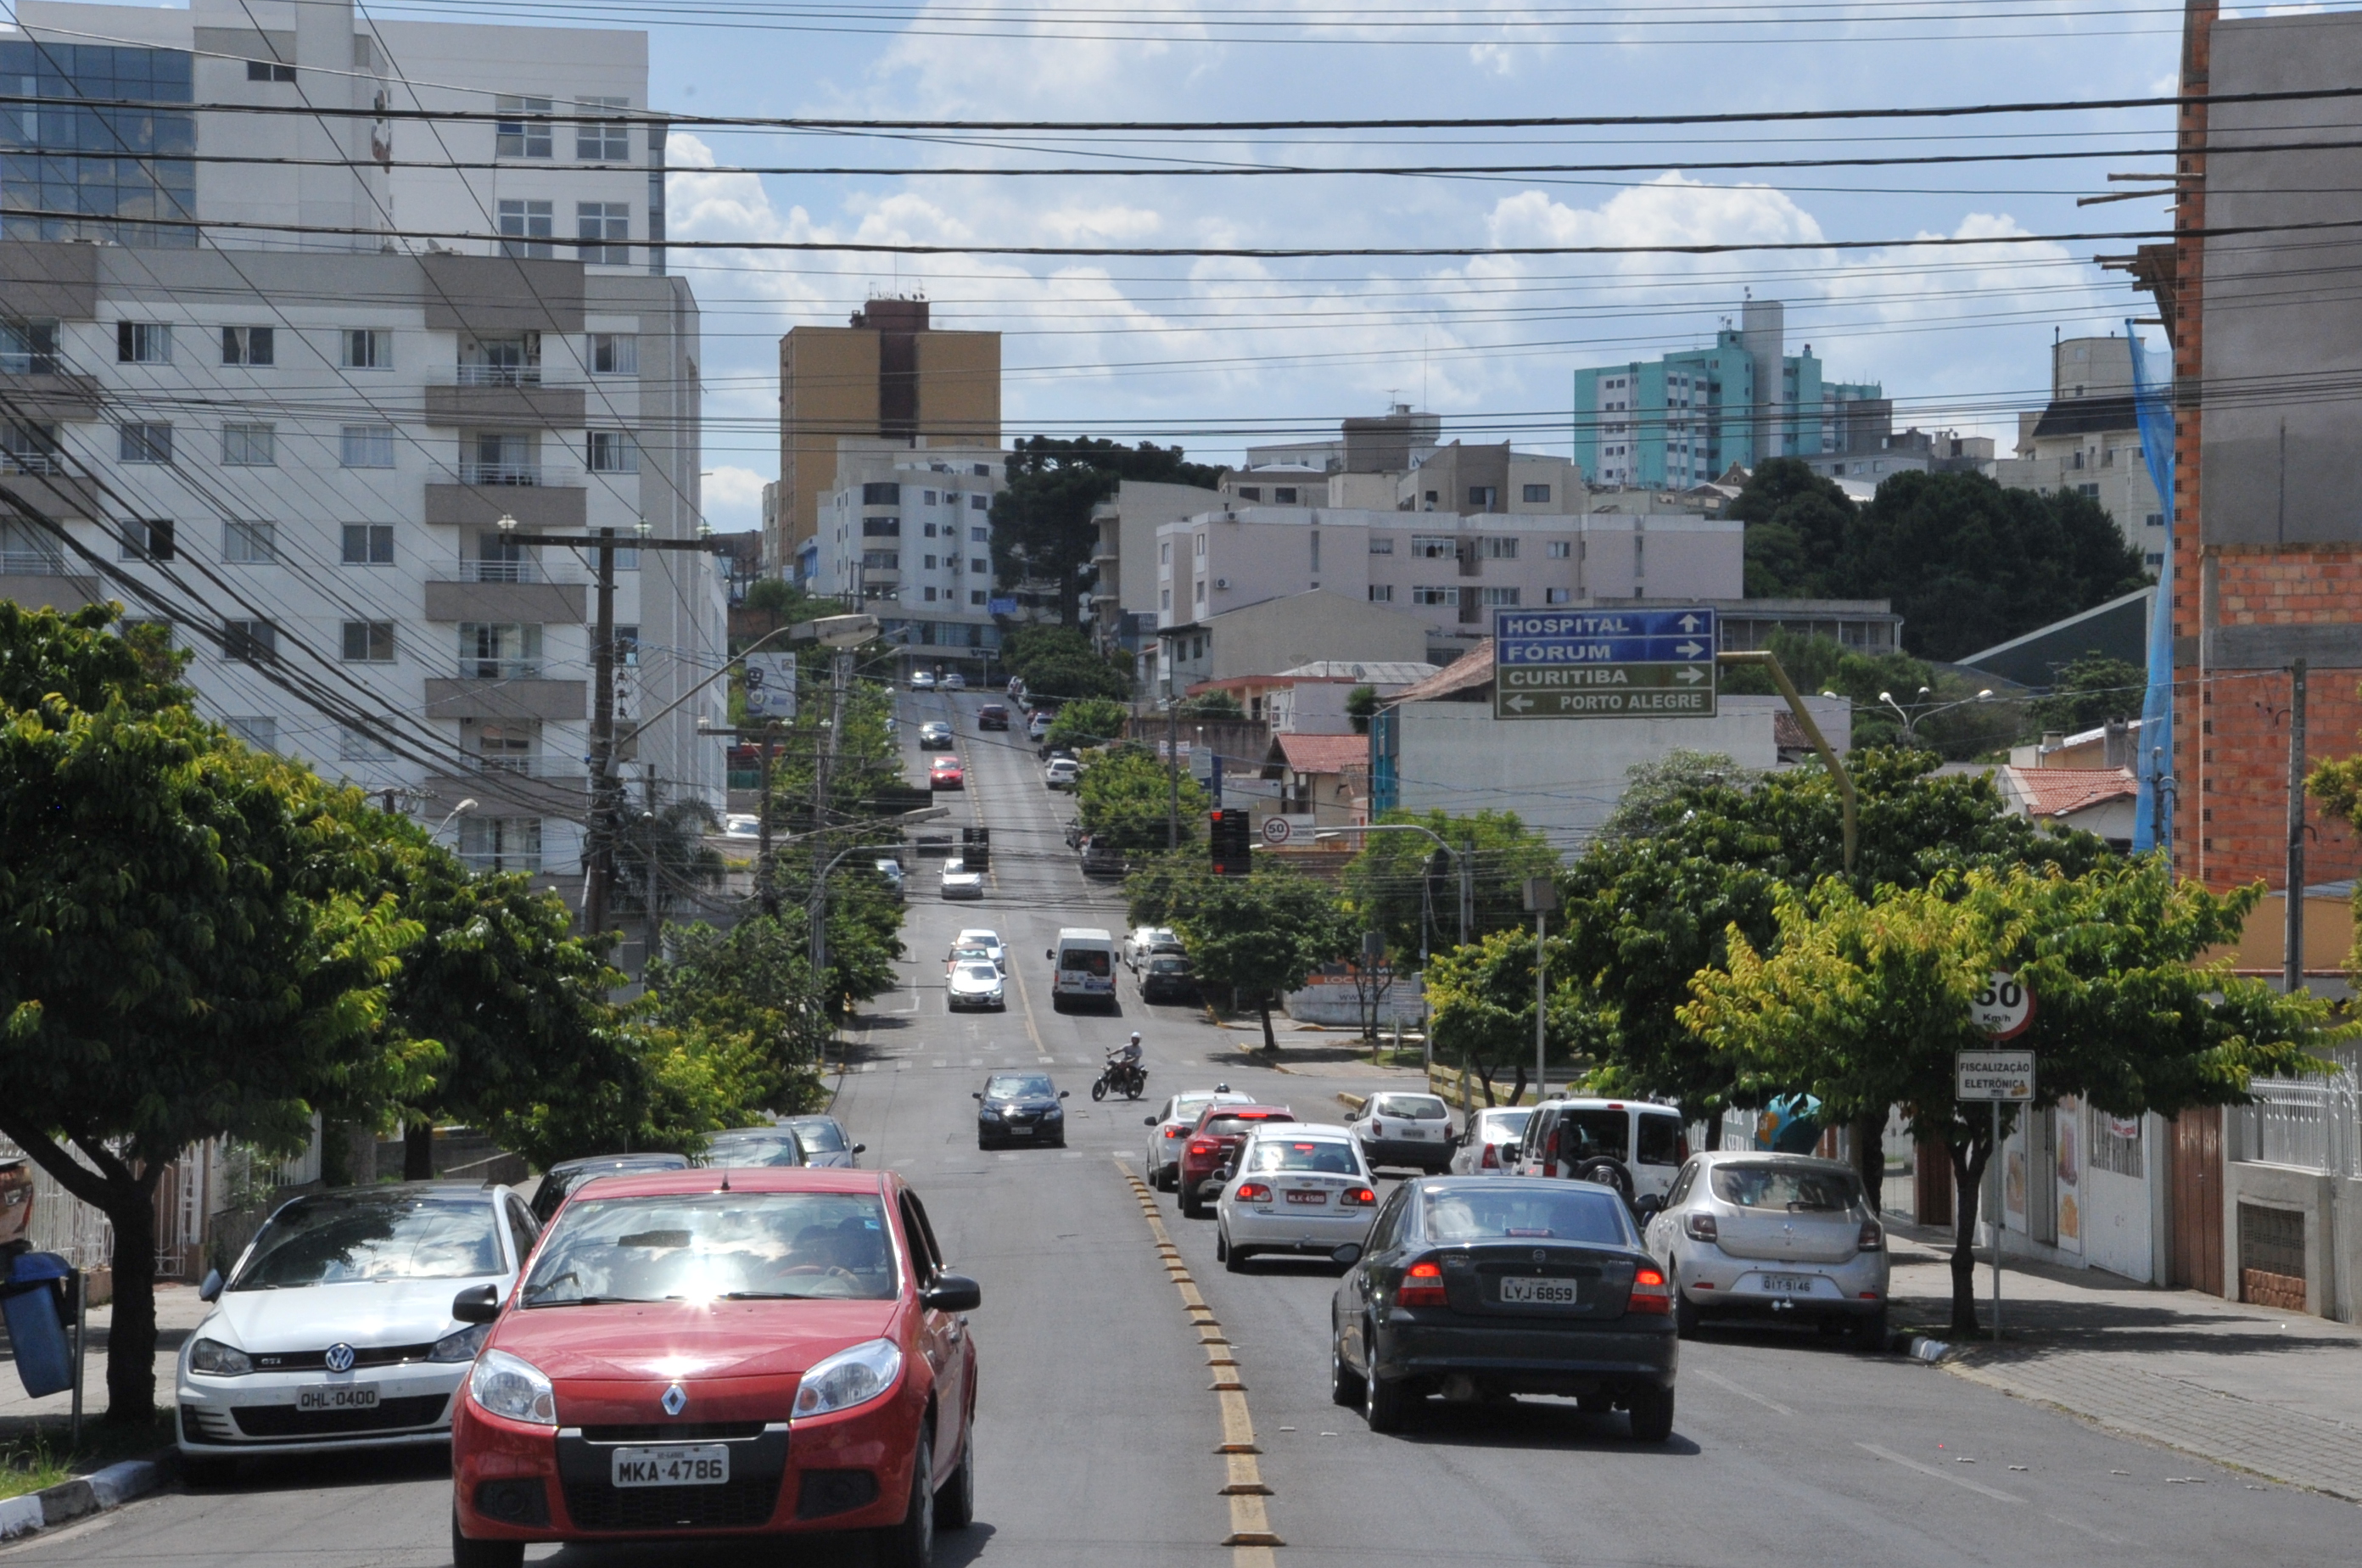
pixel 1918 710
pixel 1464 856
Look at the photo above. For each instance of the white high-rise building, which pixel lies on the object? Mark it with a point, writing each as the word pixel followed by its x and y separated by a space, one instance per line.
pixel 307 427
pixel 907 537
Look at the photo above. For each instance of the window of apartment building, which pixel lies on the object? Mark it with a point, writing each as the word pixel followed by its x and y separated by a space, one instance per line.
pixel 1284 494
pixel 1537 492
pixel 501 456
pixel 1382 594
pixel 501 844
pixel 519 133
pixel 2089 490
pixel 1382 544
pixel 250 642
pixel 1164 599
pixel 1201 591
pixel 885 494
pixel 1501 598
pixel 366 349
pixel 1558 595
pixel 500 360
pixel 930 596
pixel 1561 549
pixel 881 527
pixel 881 560
pixel 2154 561
pixel 1434 547
pixel 613 452
pixel 1430 595
pixel 979 503
pixel 368 544
pixel 28 348
pixel 29 448
pixel 614 353
pixel 1484 497
pixel 604 229
pixel 148 443
pixel 249 345
pixel 365 446
pixel 369 642
pixel 144 539
pixel 1201 547
pixel 356 745
pixel 250 446
pixel 978 564
pixel 2154 520
pixel 527 227
pixel 602 141
pixel 495 650
pixel 928 529
pixel 142 343
pixel 250 544
pixel 1250 493
pixel 258 730
pixel 978 596
pixel 1498 549
pixel 268 71
pixel 1314 550
pixel 1164 553
pixel 930 563
pixel 928 498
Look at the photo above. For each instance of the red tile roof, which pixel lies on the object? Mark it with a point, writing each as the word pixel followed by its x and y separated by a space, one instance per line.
pixel 2056 791
pixel 1325 754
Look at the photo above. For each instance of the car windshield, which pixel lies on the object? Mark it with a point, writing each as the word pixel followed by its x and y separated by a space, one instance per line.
pixel 779 1151
pixel 1506 1125
pixel 826 1137
pixel 1497 1213
pixel 1408 1108
pixel 1018 1085
pixel 981 973
pixel 334 1239
pixel 1330 1155
pixel 703 1246
pixel 1168 967
pixel 972 955
pixel 1798 1189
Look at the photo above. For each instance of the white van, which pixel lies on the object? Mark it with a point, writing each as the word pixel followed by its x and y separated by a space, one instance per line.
pixel 1084 967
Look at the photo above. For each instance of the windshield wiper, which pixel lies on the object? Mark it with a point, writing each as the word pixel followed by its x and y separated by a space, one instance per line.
pixel 579 1301
pixel 767 1295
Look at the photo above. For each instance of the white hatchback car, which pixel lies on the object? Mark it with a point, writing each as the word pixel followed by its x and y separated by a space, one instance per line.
pixel 1170 1128
pixel 1412 1129
pixel 1488 1133
pixel 977 936
pixel 1064 773
pixel 959 882
pixel 954 681
pixel 1299 1186
pixel 1744 1234
pixel 975 985
pixel 333 1329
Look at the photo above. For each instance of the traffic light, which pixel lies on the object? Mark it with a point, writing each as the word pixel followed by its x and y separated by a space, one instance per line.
pixel 1231 841
pixel 976 849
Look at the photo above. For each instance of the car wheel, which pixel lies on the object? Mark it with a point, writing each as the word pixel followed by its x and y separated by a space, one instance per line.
pixel 1685 1313
pixel 1869 1331
pixel 1652 1414
pixel 207 1473
pixel 1190 1206
pixel 956 1498
pixel 1221 1245
pixel 1234 1258
pixel 983 1142
pixel 1344 1383
pixel 466 1553
pixel 912 1543
pixel 1385 1407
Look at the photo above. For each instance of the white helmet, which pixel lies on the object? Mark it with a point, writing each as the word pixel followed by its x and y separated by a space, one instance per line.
pixel 1135 1036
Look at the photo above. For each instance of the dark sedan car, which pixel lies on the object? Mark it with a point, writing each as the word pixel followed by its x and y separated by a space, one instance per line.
pixel 566 1175
pixel 1479 1286
pixel 1020 1107
pixel 992 716
pixel 1166 977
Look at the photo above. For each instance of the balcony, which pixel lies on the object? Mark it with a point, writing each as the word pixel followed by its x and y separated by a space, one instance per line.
pixel 518 476
pixel 475 591
pixel 48 399
pixel 538 509
pixel 518 696
pixel 545 785
pixel 48 489
pixel 500 375
pixel 509 402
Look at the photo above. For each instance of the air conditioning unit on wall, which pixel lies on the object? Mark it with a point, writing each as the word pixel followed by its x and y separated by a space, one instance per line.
pixel 1222 582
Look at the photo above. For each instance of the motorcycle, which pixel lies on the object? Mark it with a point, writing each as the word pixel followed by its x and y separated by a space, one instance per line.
pixel 1127 1079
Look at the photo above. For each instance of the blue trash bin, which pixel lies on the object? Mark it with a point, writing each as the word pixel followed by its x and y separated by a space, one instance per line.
pixel 33 1299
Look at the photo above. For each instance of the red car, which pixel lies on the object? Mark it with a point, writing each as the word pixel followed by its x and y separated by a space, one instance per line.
pixel 992 716
pixel 708 1353
pixel 1220 1129
pixel 946 773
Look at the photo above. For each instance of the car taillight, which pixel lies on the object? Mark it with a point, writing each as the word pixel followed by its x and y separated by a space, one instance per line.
pixel 1702 1228
pixel 1253 1192
pixel 1422 1286
pixel 1649 1293
pixel 1378 1129
pixel 1873 1238
pixel 1356 1198
pixel 1681 1148
pixel 1549 1152
pixel 1492 1161
pixel 1176 1132
pixel 1203 1145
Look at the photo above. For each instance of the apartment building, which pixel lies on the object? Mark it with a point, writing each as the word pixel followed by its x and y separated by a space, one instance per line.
pixel 314 454
pixel 907 537
pixel 889 375
pixel 2087 438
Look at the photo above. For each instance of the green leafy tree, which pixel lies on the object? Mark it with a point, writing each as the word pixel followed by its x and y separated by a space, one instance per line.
pixel 1094 721
pixel 1822 665
pixel 1211 705
pixel 1402 885
pixel 1041 527
pixel 2088 691
pixel 1361 707
pixel 1657 794
pixel 1865 1003
pixel 1798 525
pixel 1127 795
pixel 1153 890
pixel 751 982
pixel 1482 1001
pixel 1260 937
pixel 1058 664
pixel 188 947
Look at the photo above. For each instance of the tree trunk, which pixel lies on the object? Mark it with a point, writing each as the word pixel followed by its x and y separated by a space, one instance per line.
pixel 418 1150
pixel 1967 1177
pixel 1517 1089
pixel 1869 1155
pixel 131 1337
pixel 1262 1011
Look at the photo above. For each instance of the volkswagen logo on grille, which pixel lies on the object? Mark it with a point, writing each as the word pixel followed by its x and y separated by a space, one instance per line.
pixel 676 1400
pixel 340 1358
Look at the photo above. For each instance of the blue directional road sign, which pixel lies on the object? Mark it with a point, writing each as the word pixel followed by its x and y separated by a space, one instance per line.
pixel 1603 664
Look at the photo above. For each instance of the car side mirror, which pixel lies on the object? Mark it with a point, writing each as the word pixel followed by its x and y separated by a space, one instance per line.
pixel 1352 1116
pixel 1510 1152
pixel 1050 952
pixel 952 1293
pixel 212 1289
pixel 977 1094
pixel 477 1304
pixel 861 1148
pixel 1349 1254
pixel 1649 1208
pixel 1148 1122
pixel 1063 1093
pixel 1226 1173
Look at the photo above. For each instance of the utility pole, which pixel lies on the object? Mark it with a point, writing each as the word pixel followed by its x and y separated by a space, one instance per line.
pixel 648 852
pixel 1467 889
pixel 2292 960
pixel 764 886
pixel 1541 897
pixel 1172 775
pixel 840 674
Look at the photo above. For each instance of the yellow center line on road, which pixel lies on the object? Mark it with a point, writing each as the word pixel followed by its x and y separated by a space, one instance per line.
pixel 1252 1538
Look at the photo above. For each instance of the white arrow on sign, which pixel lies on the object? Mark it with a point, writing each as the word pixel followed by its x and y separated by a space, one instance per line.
pixel 1689 650
pixel 1520 704
pixel 1689 622
pixel 1691 676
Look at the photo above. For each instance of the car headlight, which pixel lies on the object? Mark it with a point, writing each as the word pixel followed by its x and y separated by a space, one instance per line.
pixel 991 1113
pixel 1053 1113
pixel 462 1346
pixel 511 1385
pixel 849 1377
pixel 215 1359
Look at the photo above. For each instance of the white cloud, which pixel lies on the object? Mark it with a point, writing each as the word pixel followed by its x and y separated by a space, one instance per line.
pixel 733 499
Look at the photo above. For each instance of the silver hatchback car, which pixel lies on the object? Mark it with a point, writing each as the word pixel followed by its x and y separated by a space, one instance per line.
pixel 1771 1236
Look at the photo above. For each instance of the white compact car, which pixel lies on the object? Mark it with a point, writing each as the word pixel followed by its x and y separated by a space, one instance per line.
pixel 1771 1236
pixel 954 682
pixel 1170 1128
pixel 976 985
pixel 1483 1143
pixel 1063 773
pixel 1412 1129
pixel 959 882
pixel 922 680
pixel 1146 941
pixel 977 936
pixel 333 1329
pixel 1300 1187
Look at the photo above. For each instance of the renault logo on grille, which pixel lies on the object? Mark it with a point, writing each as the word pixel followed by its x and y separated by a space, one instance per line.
pixel 1539 1255
pixel 676 1400
pixel 340 1358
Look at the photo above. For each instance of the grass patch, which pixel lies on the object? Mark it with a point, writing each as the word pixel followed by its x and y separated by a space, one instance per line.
pixel 35 1454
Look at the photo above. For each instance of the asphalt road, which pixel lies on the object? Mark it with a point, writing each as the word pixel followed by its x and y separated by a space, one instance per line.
pixel 1096 1432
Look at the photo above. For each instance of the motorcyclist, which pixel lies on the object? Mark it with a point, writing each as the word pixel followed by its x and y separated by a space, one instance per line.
pixel 1127 1053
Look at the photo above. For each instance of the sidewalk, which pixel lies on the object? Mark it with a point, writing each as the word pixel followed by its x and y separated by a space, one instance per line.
pixel 178 1312
pixel 2273 1393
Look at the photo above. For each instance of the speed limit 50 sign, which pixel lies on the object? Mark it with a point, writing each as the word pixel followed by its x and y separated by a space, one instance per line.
pixel 2004 1009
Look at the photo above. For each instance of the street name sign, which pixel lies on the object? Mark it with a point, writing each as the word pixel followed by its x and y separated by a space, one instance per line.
pixel 1993 1074
pixel 1605 664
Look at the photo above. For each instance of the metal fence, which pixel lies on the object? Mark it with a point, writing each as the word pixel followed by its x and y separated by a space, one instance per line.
pixel 2314 1124
pixel 196 1195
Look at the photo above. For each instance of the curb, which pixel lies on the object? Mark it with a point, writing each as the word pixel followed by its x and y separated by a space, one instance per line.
pixel 1352 1102
pixel 1922 1348
pixel 79 1498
